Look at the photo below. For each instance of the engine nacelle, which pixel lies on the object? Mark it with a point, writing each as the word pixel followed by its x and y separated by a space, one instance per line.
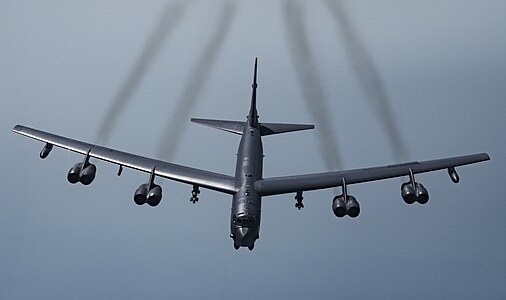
pixel 154 196
pixel 352 207
pixel 417 193
pixel 87 175
pixel 149 193
pixel 339 206
pixel 422 195
pixel 141 194
pixel 74 173
pixel 408 193
pixel 342 207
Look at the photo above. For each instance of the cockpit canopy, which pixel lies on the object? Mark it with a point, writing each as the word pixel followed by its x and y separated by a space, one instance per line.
pixel 244 221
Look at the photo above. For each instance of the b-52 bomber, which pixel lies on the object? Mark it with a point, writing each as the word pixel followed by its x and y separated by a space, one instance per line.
pixel 247 186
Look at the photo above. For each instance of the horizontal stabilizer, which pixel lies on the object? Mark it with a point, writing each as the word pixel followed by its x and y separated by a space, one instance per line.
pixel 275 128
pixel 237 127
pixel 230 126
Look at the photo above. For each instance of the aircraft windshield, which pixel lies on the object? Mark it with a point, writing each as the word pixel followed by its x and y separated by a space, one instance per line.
pixel 245 221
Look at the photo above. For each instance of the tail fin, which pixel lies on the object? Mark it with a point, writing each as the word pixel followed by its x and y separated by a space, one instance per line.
pixel 265 128
pixel 253 114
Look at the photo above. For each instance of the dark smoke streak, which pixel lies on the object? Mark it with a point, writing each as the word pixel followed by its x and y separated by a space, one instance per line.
pixel 195 83
pixel 305 68
pixel 167 22
pixel 369 77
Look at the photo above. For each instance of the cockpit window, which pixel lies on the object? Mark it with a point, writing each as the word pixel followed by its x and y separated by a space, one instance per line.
pixel 245 221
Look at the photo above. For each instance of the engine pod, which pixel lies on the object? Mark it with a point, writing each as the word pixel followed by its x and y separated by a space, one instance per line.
pixel 408 193
pixel 74 173
pixel 422 195
pixel 339 206
pixel 140 194
pixel 154 196
pixel 87 175
pixel 352 207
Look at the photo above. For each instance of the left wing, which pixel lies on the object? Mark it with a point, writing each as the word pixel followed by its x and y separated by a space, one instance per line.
pixel 201 178
pixel 308 182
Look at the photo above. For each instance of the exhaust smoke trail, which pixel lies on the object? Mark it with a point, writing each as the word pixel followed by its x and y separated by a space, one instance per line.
pixel 307 74
pixel 195 83
pixel 167 22
pixel 369 77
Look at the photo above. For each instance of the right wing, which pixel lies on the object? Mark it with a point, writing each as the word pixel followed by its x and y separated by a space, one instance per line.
pixel 201 178
pixel 308 182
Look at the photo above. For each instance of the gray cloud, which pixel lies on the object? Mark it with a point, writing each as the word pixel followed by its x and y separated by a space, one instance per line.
pixel 309 79
pixel 369 77
pixel 168 21
pixel 194 85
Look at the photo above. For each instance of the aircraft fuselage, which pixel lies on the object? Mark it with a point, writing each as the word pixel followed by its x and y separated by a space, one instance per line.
pixel 246 203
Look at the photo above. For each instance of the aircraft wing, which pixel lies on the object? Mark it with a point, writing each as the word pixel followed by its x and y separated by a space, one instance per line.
pixel 201 178
pixel 308 182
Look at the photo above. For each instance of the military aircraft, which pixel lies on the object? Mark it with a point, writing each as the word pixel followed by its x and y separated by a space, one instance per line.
pixel 247 186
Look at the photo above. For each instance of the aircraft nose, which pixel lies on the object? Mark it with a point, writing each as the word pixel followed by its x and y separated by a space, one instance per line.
pixel 242 236
pixel 242 233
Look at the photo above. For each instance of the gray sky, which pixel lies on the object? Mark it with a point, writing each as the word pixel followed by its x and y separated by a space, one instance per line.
pixel 443 64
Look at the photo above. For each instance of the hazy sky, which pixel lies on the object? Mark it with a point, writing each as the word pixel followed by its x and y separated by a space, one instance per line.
pixel 442 64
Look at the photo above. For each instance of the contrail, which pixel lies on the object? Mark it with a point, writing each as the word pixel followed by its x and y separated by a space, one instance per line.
pixel 195 83
pixel 167 22
pixel 309 79
pixel 369 77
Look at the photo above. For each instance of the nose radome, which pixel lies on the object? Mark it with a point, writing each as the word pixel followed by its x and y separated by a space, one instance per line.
pixel 242 232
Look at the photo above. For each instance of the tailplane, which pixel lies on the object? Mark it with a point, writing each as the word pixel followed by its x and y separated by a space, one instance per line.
pixel 229 126
pixel 276 128
pixel 237 127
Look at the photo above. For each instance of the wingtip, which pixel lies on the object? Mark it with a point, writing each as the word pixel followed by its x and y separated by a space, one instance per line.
pixel 482 156
pixel 17 128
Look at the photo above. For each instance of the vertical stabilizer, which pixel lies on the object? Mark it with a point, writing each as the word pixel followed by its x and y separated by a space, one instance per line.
pixel 253 115
pixel 265 128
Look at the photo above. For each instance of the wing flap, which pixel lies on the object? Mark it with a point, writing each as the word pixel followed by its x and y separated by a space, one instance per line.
pixel 289 184
pixel 202 178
